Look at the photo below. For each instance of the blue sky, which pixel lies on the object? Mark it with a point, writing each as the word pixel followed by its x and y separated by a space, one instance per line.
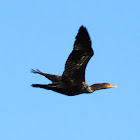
pixel 40 34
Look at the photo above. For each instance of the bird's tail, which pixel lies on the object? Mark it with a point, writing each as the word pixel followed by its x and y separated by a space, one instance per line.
pixel 37 85
pixel 49 86
pixel 41 86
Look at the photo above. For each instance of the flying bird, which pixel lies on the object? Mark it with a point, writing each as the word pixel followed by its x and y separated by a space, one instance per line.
pixel 72 82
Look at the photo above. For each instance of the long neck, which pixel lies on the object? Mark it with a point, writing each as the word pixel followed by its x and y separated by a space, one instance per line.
pixel 94 87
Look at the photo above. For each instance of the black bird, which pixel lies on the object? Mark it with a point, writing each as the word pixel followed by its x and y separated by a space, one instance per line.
pixel 72 82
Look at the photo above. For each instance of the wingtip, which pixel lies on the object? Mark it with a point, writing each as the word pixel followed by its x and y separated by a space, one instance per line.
pixel 82 27
pixel 83 34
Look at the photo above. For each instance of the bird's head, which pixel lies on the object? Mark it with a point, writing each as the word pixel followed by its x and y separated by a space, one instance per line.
pixel 102 86
pixel 106 85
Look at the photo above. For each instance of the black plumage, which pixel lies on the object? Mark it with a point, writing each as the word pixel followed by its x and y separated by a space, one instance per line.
pixel 72 82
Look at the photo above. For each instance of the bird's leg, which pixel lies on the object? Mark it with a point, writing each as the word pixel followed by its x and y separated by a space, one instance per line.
pixel 53 78
pixel 37 71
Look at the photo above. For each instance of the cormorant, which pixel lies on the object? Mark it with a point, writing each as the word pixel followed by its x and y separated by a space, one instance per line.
pixel 72 82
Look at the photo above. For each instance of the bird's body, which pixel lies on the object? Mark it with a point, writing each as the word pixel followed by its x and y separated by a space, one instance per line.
pixel 72 82
pixel 69 88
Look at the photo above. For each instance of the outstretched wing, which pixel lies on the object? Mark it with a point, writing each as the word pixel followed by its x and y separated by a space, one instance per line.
pixel 77 61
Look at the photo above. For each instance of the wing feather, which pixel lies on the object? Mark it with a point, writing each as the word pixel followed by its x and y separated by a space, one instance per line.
pixel 77 61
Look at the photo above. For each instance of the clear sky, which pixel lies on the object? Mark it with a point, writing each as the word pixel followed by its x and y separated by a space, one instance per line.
pixel 40 35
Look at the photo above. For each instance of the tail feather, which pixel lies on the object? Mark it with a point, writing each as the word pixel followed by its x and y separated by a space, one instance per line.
pixel 36 85
pixel 49 86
